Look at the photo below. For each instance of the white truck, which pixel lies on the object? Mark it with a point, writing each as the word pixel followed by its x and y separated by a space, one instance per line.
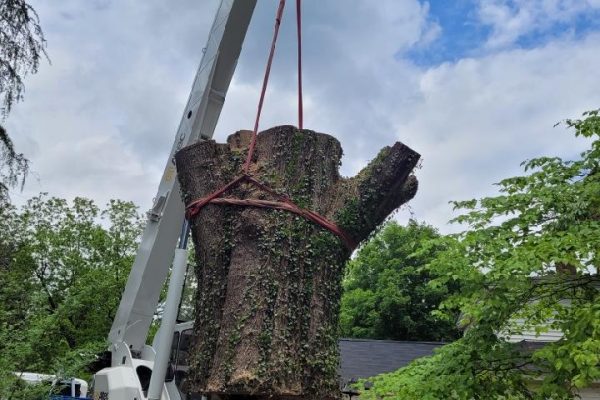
pixel 59 388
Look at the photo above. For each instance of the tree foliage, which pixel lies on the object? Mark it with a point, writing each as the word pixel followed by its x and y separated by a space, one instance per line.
pixel 386 295
pixel 13 166
pixel 63 267
pixel 528 263
pixel 22 45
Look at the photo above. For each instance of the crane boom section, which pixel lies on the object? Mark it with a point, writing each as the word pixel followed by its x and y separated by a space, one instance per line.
pixel 155 253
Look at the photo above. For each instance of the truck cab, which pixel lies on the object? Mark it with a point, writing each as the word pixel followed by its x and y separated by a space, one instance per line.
pixel 178 361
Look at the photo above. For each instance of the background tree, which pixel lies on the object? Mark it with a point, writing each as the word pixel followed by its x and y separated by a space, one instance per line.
pixel 13 166
pixel 61 279
pixel 22 45
pixel 386 295
pixel 529 262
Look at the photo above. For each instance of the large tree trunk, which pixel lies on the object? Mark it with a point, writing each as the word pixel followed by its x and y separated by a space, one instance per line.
pixel 269 281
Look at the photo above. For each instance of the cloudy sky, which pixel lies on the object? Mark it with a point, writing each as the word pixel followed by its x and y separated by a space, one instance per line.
pixel 475 86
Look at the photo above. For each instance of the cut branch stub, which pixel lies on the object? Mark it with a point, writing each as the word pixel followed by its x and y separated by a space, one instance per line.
pixel 269 281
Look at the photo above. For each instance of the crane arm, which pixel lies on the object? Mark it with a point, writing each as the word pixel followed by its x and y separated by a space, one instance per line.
pixel 155 253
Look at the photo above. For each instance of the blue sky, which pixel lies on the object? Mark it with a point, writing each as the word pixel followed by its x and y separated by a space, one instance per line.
pixel 461 34
pixel 475 86
pixel 464 33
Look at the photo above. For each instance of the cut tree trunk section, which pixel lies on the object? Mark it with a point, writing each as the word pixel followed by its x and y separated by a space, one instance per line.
pixel 269 281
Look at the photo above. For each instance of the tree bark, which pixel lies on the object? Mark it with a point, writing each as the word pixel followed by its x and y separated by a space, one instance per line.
pixel 269 281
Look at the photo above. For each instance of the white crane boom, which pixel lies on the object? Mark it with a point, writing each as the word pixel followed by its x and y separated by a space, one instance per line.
pixel 155 253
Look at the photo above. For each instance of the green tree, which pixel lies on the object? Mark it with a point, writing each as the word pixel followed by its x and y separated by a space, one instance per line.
pixel 386 295
pixel 13 166
pixel 22 45
pixel 64 268
pixel 528 262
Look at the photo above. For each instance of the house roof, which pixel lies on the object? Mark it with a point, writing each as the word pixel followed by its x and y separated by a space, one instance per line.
pixel 363 358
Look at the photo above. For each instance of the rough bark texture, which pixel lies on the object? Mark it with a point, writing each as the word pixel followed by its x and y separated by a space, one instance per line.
pixel 269 282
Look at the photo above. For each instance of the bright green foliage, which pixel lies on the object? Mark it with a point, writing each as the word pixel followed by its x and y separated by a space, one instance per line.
pixel 63 267
pixel 527 263
pixel 386 295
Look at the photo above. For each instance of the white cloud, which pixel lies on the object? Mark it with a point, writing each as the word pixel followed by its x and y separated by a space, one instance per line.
pixel 479 118
pixel 512 19
pixel 100 121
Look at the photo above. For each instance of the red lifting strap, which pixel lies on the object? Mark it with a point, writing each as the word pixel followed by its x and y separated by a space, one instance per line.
pixel 264 85
pixel 299 26
pixel 285 203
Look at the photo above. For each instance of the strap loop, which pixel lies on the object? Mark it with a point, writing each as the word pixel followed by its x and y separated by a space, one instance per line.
pixel 299 30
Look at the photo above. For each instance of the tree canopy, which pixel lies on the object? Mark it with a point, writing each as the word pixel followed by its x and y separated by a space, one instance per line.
pixel 63 267
pixel 528 262
pixel 386 295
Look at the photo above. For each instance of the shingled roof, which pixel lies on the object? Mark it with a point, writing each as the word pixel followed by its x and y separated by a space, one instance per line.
pixel 363 358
